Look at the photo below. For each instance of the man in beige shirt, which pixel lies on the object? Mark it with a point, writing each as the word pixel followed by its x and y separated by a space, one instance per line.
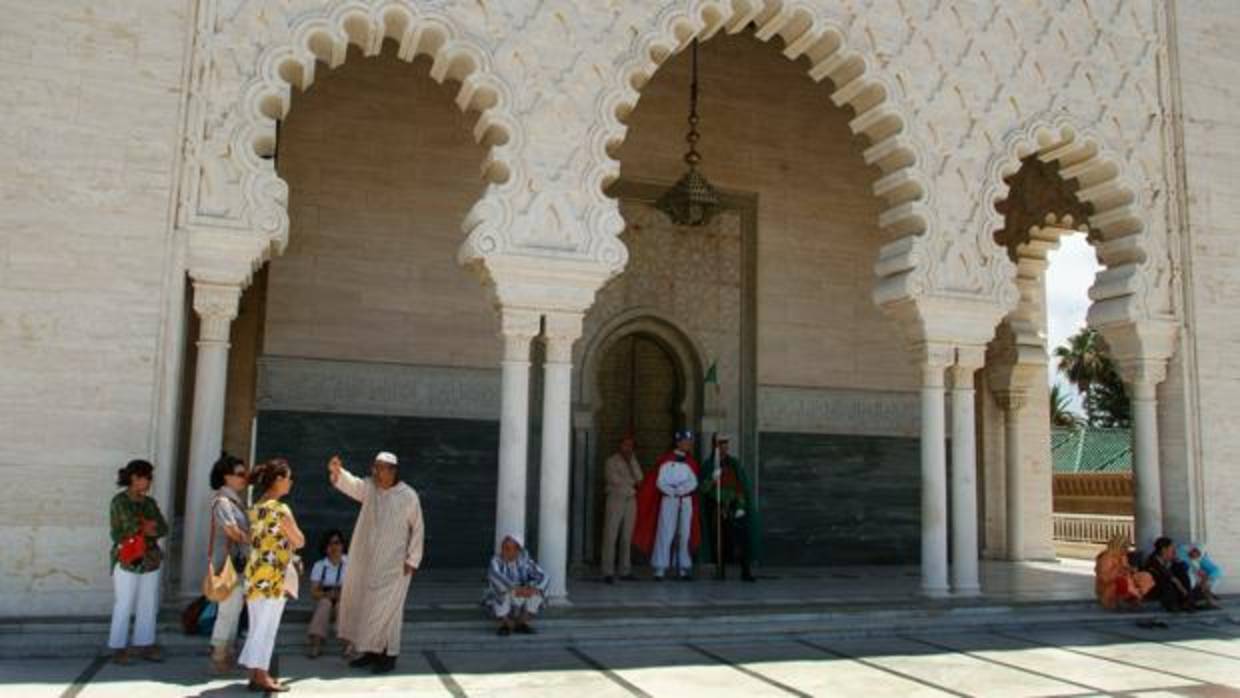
pixel 622 474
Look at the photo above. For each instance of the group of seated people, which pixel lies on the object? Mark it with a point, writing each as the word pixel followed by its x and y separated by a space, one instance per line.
pixel 514 592
pixel 1181 578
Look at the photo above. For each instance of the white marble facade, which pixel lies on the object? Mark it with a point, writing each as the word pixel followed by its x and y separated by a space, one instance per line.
pixel 139 187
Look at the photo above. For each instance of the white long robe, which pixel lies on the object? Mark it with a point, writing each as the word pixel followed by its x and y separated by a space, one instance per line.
pixel 388 536
pixel 677 483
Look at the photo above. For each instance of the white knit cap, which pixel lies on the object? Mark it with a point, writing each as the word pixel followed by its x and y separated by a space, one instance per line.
pixel 386 457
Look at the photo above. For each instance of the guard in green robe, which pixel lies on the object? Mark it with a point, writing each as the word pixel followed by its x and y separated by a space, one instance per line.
pixel 727 499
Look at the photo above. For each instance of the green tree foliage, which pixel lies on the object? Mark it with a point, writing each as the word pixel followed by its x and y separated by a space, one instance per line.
pixel 1062 414
pixel 1086 363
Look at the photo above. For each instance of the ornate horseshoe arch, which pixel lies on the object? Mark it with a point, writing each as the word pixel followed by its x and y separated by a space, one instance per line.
pixel 1125 292
pixel 880 118
pixel 245 65
pixel 1122 291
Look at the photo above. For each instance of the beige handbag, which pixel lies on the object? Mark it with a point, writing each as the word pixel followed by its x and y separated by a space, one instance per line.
pixel 217 586
pixel 292 577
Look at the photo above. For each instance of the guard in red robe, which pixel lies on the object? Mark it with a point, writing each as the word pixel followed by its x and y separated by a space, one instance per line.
pixel 667 529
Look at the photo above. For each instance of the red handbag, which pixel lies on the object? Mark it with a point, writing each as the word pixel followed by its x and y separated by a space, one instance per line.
pixel 133 548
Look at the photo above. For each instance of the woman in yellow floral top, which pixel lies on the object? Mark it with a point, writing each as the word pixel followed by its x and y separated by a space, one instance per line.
pixel 274 536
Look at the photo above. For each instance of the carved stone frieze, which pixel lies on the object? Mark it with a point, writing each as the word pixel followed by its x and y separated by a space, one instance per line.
pixel 347 387
pixel 946 99
pixel 838 411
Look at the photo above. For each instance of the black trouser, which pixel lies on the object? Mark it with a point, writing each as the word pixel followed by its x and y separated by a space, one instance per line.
pixel 735 546
pixel 1172 587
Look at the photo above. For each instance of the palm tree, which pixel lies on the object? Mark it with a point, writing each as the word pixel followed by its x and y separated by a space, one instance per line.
pixel 1085 361
pixel 1108 404
pixel 1062 414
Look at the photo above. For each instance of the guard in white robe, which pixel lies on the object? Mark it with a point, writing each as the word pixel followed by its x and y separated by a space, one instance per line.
pixel 677 484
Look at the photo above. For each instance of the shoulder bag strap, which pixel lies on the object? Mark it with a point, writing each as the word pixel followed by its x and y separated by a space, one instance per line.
pixel 211 537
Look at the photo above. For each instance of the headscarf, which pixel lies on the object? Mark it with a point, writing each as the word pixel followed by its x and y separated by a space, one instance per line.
pixel 503 575
pixel 1118 543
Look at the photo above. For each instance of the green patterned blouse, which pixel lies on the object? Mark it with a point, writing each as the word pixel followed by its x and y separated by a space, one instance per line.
pixel 126 515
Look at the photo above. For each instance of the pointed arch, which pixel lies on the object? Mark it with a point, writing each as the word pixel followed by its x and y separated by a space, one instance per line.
pixel 879 117
pixel 1115 224
pixel 320 38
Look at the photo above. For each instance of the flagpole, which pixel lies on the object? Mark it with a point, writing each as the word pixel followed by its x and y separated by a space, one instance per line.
pixel 718 475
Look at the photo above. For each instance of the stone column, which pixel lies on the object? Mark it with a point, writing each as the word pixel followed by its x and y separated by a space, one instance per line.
pixel 216 306
pixel 1014 472
pixel 581 509
pixel 517 328
pixel 1142 378
pixel 561 330
pixel 964 473
pixel 933 476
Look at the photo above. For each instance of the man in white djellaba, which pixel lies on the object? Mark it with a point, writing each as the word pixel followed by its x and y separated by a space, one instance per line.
pixel 384 555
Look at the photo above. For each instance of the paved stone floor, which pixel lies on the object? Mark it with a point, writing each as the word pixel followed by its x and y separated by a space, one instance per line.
pixel 1059 580
pixel 1197 658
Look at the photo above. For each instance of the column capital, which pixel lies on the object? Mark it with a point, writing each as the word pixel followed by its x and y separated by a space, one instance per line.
pixel 969 360
pixel 934 354
pixel 933 358
pixel 1142 376
pixel 1011 400
pixel 216 305
pixel 517 326
pixel 971 356
pixel 560 331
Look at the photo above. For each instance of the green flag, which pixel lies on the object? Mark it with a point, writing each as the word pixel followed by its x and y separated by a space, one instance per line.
pixel 712 375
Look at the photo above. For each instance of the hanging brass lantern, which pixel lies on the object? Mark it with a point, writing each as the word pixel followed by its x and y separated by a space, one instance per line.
pixel 692 201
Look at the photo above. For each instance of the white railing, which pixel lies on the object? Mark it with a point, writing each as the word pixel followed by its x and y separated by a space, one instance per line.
pixel 1091 528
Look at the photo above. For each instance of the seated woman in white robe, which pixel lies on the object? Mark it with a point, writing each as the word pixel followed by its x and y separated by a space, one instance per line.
pixel 515 587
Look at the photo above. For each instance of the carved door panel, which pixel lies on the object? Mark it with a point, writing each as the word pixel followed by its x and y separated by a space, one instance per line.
pixel 641 390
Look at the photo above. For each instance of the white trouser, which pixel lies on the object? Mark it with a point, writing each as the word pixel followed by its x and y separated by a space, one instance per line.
pixel 260 641
pixel 513 606
pixel 675 517
pixel 618 528
pixel 137 595
pixel 227 614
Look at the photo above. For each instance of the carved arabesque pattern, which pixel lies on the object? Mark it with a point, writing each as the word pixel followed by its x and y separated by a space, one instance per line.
pixel 254 53
pixel 1038 197
pixel 823 40
pixel 1121 292
pixel 959 81
pixel 941 91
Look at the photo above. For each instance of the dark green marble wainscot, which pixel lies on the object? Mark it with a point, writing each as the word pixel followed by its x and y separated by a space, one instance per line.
pixel 840 500
pixel 450 462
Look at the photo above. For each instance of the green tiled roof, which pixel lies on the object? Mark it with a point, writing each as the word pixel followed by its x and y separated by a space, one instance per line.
pixel 1091 450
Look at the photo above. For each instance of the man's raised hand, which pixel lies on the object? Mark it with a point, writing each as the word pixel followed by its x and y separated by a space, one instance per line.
pixel 333 467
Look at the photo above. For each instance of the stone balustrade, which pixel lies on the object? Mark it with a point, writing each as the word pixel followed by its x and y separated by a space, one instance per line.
pixel 1091 528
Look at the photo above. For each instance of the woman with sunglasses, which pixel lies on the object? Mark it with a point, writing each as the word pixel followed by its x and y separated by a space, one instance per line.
pixel 274 537
pixel 229 479
pixel 326 578
pixel 137 525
